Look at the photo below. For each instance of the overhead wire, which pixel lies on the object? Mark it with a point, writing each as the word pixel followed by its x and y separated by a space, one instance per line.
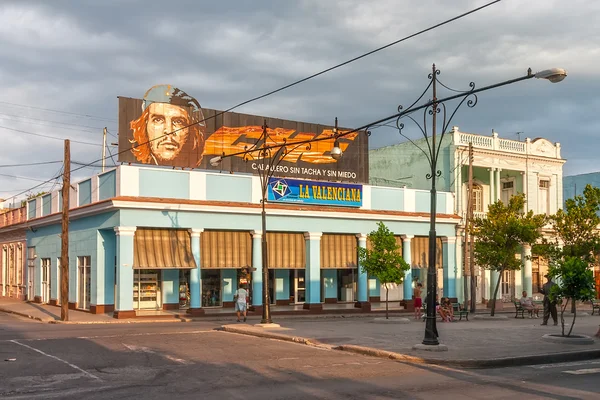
pixel 59 111
pixel 48 136
pixel 29 164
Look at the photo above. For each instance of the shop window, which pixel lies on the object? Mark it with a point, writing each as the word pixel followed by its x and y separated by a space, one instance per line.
pixel 211 288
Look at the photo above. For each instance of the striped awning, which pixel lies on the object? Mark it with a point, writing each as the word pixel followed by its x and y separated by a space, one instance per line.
pixel 162 249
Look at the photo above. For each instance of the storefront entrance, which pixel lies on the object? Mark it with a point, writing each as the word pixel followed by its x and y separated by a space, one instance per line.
pixel 45 280
pixel 146 290
pixel 299 283
pixel 212 294
pixel 184 288
pixel 84 282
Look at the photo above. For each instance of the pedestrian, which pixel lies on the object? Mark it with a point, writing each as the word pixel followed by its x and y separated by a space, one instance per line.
pixel 549 306
pixel 417 293
pixel 241 302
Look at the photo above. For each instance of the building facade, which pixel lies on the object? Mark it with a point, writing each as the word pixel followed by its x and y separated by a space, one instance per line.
pixel 147 238
pixel 501 169
pixel 13 254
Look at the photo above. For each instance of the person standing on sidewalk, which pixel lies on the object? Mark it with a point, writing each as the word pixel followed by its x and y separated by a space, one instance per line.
pixel 418 301
pixel 549 306
pixel 241 302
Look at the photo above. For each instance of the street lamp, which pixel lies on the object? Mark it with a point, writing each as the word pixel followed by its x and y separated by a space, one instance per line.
pixel 434 107
pixel 267 154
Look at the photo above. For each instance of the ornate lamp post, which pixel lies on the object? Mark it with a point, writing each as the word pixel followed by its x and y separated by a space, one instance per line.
pixel 437 107
pixel 267 154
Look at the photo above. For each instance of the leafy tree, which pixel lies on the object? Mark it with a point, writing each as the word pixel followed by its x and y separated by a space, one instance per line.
pixel 31 196
pixel 383 260
pixel 575 282
pixel 499 237
pixel 576 231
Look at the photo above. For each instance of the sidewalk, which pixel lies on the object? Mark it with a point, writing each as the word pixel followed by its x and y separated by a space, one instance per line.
pixel 473 344
pixel 51 314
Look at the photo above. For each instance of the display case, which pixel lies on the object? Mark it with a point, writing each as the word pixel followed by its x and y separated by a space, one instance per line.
pixel 145 291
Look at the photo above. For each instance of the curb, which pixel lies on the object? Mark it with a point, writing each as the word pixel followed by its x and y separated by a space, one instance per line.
pixel 457 363
pixel 116 321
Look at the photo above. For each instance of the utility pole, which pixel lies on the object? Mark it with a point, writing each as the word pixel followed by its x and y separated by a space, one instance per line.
pixel 64 246
pixel 104 150
pixel 469 229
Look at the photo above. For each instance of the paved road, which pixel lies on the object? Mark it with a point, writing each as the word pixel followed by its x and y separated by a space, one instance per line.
pixel 193 361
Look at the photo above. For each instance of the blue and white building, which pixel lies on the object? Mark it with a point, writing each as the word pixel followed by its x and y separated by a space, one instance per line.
pixel 152 238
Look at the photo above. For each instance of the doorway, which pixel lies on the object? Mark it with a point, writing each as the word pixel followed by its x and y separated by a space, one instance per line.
pixel 299 286
pixel 84 282
pixel 184 288
pixel 45 280
pixel 30 280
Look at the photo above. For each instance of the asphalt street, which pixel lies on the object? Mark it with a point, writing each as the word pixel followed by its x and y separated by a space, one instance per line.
pixel 195 361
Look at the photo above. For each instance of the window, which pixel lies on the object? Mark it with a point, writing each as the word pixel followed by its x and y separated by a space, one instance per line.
pixel 84 282
pixel 508 191
pixel 477 198
pixel 544 197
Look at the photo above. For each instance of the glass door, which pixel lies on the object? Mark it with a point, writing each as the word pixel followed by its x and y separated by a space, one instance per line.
pixel 84 283
pixel 300 286
pixel 30 278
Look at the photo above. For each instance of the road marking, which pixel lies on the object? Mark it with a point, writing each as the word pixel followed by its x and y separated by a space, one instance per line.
pixel 58 359
pixel 142 349
pixel 583 371
pixel 565 364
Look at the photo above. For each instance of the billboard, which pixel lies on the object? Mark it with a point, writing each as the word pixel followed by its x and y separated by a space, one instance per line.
pixel 169 128
pixel 288 190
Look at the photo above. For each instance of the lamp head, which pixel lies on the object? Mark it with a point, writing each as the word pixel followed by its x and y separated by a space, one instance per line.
pixel 216 161
pixel 336 151
pixel 554 75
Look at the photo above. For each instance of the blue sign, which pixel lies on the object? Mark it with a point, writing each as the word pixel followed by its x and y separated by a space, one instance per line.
pixel 313 192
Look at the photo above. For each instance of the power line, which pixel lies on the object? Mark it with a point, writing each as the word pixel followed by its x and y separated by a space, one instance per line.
pixel 264 95
pixel 22 177
pixel 48 136
pixel 51 122
pixel 309 77
pixel 29 164
pixel 59 111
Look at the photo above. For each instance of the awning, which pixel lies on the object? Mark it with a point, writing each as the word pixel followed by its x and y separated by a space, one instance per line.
pixel 226 249
pixel 339 251
pixel 162 249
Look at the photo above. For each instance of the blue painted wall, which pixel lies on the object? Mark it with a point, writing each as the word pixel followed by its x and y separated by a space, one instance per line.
pixel 229 188
pixel 85 192
pixel 574 185
pixel 391 199
pixel 229 283
pixel 330 283
pixel 170 286
pixel 105 277
pixel 164 183
pixel 374 287
pixel 31 211
pixel 107 185
pixel 282 284
pixel 423 201
pixel 46 204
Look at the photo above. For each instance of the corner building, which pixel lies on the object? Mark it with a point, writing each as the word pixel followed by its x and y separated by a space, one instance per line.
pixel 145 238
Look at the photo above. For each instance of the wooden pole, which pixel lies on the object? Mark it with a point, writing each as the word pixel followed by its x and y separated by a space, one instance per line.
pixel 104 150
pixel 64 248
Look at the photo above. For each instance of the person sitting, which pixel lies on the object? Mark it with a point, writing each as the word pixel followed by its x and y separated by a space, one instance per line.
pixel 445 310
pixel 441 309
pixel 529 305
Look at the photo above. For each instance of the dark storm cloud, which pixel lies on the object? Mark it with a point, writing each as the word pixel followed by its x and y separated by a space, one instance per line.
pixel 79 56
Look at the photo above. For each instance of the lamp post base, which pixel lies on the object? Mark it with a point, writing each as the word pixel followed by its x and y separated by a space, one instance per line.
pixel 432 348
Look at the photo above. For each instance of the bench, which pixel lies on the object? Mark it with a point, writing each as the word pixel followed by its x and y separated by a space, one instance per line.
pixel 460 311
pixel 520 309
pixel 595 305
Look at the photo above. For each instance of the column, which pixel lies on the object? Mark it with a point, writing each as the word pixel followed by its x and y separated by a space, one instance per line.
pixel 124 303
pixel 196 276
pixel 313 271
pixel 363 281
pixel 498 183
pixel 527 270
pixel 458 188
pixel 408 289
pixel 459 250
pixel 449 264
pixel 257 288
pixel 492 187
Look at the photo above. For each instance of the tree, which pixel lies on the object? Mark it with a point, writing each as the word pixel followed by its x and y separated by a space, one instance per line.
pixel 31 196
pixel 575 282
pixel 500 236
pixel 576 230
pixel 383 260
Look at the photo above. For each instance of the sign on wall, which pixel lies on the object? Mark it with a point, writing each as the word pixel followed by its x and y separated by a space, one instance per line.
pixel 169 128
pixel 313 192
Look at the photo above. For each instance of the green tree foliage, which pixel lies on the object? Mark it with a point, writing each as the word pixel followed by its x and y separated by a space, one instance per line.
pixel 575 229
pixel 575 282
pixel 499 237
pixel 32 196
pixel 383 260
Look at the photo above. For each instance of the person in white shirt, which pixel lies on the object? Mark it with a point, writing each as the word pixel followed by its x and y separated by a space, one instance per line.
pixel 529 305
pixel 241 299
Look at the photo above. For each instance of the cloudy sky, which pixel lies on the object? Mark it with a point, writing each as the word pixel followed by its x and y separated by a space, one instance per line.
pixel 63 64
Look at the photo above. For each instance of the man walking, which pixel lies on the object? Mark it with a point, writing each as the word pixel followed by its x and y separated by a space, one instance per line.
pixel 549 306
pixel 241 306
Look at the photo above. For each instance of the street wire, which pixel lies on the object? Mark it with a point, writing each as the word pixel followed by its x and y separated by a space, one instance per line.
pixel 49 137
pixel 29 164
